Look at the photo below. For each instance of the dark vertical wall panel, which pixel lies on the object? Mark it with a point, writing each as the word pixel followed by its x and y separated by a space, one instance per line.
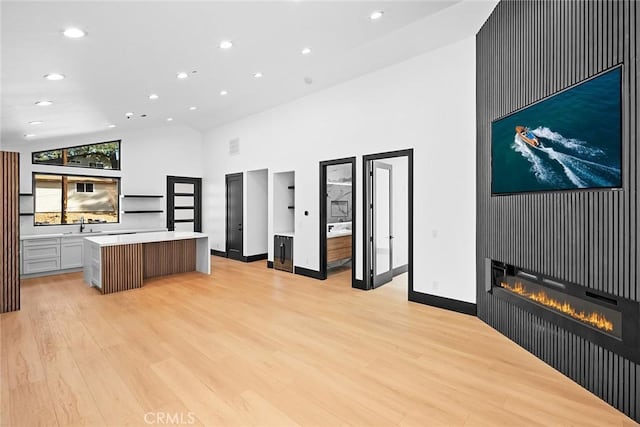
pixel 586 237
pixel 9 232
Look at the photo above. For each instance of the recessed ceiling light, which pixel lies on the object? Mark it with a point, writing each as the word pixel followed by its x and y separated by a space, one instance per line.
pixel 306 51
pixel 169 119
pixel 111 126
pixel 376 15
pixel 36 122
pixel 29 135
pixel 129 115
pixel 54 76
pixel 182 75
pixel 257 75
pixel 226 44
pixel 223 92
pixel 153 96
pixel 74 33
pixel 193 108
pixel 43 103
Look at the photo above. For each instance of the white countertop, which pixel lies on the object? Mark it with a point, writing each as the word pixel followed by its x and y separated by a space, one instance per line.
pixel 128 239
pixel 285 233
pixel 90 234
pixel 338 233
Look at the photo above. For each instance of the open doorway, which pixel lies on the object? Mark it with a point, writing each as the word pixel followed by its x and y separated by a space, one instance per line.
pixel 388 217
pixel 337 218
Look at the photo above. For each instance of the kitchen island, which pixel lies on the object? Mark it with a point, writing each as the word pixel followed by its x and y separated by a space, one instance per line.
pixel 122 262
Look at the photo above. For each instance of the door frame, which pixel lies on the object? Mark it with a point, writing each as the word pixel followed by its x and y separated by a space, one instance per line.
pixel 197 200
pixel 366 268
pixel 323 215
pixel 227 177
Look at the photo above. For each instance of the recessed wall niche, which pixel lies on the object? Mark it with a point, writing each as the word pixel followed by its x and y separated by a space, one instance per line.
pixel 585 237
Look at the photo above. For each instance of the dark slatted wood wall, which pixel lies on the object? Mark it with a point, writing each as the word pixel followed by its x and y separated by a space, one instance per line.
pixel 176 256
pixel 9 232
pixel 526 51
pixel 121 268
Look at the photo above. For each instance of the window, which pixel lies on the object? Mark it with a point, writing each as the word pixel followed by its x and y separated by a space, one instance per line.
pixel 65 199
pixel 84 187
pixel 104 155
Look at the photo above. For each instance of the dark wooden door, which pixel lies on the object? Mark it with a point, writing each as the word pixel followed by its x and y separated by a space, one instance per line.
pixel 184 203
pixel 234 216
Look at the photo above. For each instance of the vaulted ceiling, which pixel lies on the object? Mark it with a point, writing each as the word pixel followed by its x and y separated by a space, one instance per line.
pixel 135 49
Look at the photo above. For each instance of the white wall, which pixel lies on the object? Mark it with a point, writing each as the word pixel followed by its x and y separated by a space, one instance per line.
pixel 147 157
pixel 256 213
pixel 426 103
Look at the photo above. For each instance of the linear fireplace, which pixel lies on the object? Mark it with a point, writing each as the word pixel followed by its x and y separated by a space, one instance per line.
pixel 610 321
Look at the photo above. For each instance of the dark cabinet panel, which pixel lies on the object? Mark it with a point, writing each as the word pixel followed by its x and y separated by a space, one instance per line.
pixel 283 253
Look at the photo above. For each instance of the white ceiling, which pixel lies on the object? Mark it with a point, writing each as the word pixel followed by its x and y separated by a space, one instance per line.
pixel 134 49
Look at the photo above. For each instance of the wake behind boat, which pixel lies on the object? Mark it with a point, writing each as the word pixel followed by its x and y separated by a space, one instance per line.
pixel 527 136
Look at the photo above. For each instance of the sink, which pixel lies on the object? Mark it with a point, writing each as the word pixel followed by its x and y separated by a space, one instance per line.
pixel 338 229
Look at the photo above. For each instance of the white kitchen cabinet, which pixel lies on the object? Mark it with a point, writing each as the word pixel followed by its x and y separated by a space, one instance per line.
pixel 40 255
pixel 71 252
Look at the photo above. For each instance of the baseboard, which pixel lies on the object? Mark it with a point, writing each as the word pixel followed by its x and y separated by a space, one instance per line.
pixel 400 270
pixel 249 258
pixel 218 253
pixel 442 302
pixel 50 273
pixel 308 273
pixel 252 258
pixel 269 264
pixel 235 255
pixel 359 284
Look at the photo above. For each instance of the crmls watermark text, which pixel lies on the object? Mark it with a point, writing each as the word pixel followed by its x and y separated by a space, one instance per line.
pixel 169 418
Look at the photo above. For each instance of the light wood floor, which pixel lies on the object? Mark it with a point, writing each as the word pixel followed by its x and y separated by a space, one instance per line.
pixel 252 346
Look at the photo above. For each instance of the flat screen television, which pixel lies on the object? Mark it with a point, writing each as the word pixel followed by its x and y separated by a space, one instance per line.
pixel 570 140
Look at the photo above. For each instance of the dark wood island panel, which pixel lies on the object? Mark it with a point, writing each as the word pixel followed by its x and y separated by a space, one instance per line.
pixel 121 268
pixel 169 257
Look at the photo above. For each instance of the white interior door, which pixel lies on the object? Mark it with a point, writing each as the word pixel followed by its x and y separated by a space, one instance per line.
pixel 382 210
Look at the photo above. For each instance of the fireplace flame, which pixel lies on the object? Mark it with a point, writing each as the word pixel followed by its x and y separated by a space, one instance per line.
pixel 594 319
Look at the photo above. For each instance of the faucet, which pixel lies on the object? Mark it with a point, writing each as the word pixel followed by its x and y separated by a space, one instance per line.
pixel 81 224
